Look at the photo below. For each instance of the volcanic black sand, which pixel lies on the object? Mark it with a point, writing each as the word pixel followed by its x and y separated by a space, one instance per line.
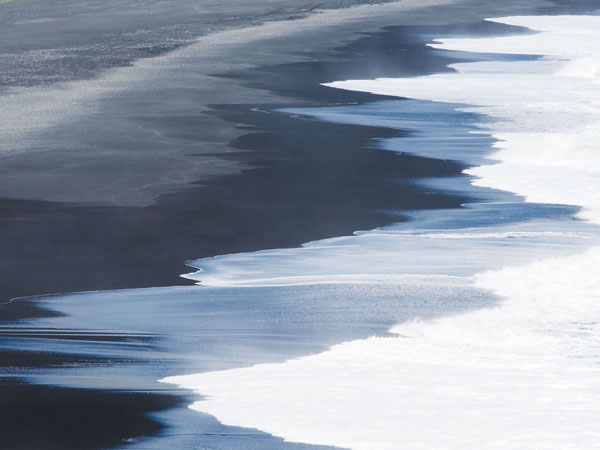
pixel 305 180
pixel 41 417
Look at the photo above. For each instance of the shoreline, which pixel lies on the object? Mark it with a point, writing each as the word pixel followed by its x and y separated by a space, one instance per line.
pixel 225 198
pixel 444 374
pixel 84 262
pixel 256 226
pixel 62 246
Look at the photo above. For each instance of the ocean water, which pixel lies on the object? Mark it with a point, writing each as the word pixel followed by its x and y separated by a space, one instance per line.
pixel 521 372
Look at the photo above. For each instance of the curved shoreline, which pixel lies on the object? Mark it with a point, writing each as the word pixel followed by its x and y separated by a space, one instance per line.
pixel 165 272
pixel 484 379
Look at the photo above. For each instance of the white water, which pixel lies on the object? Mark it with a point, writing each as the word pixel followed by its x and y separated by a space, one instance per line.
pixel 521 375
pixel 547 111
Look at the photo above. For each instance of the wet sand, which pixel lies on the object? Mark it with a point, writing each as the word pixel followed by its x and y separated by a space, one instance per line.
pixel 48 417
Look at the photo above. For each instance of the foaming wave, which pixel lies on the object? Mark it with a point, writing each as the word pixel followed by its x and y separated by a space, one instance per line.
pixel 587 67
pixel 397 255
pixel 546 112
pixel 522 374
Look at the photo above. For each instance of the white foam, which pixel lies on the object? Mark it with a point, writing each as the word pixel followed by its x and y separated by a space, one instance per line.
pixel 521 375
pixel 395 255
pixel 547 112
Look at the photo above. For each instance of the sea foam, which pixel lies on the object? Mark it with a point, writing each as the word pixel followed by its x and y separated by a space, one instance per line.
pixel 522 374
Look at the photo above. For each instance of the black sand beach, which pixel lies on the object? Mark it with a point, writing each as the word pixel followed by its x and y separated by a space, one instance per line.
pixel 301 180
pixel 315 180
pixel 306 180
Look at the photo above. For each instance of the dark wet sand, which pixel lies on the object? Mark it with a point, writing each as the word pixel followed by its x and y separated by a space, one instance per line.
pixel 42 417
